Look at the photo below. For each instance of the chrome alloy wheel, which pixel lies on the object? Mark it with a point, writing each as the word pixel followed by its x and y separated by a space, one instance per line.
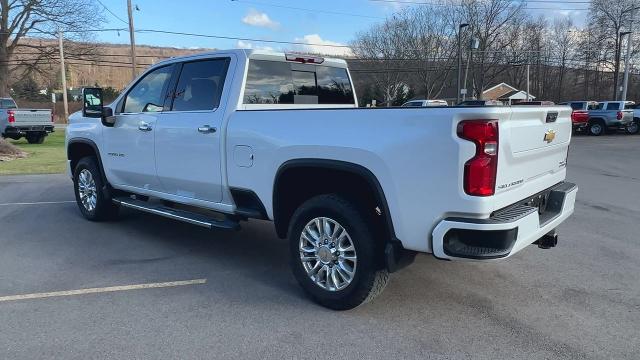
pixel 327 254
pixel 87 190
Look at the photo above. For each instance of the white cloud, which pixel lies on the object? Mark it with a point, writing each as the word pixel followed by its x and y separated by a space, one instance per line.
pixel 315 46
pixel 259 19
pixel 249 45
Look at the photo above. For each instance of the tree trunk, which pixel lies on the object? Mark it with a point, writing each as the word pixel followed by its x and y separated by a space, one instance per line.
pixel 4 78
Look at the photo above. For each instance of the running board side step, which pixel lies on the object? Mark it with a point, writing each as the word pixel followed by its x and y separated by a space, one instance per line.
pixel 176 214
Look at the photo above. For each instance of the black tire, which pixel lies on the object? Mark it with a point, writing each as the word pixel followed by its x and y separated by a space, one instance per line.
pixel 37 138
pixel 369 278
pixel 634 127
pixel 597 127
pixel 104 208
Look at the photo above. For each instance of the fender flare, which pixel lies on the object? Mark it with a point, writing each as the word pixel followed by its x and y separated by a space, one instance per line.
pixel 345 166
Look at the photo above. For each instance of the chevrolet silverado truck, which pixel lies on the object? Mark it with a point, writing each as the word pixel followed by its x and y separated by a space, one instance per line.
pixel 611 116
pixel 218 138
pixel 33 124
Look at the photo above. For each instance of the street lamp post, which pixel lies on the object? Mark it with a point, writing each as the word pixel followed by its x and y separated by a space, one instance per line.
pixel 625 79
pixel 460 27
pixel 616 91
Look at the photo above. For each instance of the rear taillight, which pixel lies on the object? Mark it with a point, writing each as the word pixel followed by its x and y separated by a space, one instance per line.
pixel 11 116
pixel 579 116
pixel 619 115
pixel 480 171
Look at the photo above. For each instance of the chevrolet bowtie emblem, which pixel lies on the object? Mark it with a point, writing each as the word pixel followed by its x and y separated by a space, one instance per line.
pixel 549 136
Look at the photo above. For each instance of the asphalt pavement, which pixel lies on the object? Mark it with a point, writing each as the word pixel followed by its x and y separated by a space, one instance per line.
pixel 580 300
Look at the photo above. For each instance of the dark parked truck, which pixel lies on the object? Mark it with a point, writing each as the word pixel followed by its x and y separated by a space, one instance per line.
pixel 33 124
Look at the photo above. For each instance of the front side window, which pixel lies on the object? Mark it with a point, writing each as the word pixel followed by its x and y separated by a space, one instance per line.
pixel 146 95
pixel 200 85
pixel 275 82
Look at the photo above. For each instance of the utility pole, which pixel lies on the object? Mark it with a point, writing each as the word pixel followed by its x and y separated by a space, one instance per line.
pixel 132 37
pixel 625 80
pixel 460 27
pixel 528 87
pixel 63 74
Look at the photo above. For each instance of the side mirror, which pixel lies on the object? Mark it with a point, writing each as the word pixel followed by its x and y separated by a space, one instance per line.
pixel 93 107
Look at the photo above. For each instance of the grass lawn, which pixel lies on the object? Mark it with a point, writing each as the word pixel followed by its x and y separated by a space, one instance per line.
pixel 46 158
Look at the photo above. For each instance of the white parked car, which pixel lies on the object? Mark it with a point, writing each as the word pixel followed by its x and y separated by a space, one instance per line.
pixel 425 103
pixel 217 138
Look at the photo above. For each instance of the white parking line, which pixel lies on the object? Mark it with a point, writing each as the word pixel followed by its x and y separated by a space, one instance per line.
pixel 102 290
pixel 39 203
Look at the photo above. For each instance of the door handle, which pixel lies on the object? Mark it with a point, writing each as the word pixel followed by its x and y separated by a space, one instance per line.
pixel 206 129
pixel 143 126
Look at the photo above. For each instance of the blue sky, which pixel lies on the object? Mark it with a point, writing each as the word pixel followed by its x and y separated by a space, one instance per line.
pixel 265 20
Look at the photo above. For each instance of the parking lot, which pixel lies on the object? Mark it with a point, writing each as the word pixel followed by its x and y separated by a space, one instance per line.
pixel 235 296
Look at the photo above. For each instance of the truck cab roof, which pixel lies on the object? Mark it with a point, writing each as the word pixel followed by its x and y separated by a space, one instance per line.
pixel 262 55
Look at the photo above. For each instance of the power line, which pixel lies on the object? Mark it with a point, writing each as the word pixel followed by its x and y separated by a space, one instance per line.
pixel 112 13
pixel 411 2
pixel 238 38
pixel 308 10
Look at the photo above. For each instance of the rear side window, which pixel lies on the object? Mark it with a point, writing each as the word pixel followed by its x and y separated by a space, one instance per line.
pixel 613 106
pixel 146 95
pixel 200 85
pixel 275 82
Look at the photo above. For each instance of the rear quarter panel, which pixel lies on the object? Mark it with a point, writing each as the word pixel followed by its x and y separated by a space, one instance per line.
pixel 414 153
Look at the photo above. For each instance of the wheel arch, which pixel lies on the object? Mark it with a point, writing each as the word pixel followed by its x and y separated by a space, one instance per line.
pixel 78 148
pixel 281 213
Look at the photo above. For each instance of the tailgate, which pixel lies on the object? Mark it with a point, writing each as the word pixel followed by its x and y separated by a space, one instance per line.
pixel 32 117
pixel 533 145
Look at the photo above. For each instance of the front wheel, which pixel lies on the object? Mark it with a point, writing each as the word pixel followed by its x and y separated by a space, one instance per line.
pixel 94 203
pixel 334 256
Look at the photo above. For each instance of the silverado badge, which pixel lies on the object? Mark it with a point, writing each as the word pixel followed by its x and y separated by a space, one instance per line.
pixel 549 136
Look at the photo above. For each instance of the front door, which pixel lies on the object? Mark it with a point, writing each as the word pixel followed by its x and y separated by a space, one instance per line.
pixel 188 154
pixel 130 143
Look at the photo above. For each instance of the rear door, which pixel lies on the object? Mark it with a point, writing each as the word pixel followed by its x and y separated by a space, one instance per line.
pixel 188 155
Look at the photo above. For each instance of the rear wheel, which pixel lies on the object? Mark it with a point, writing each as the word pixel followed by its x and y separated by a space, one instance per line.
pixel 334 256
pixel 634 127
pixel 597 127
pixel 35 138
pixel 94 203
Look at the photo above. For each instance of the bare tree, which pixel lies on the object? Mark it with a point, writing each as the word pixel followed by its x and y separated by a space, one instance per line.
pixel 494 23
pixel 608 19
pixel 382 44
pixel 563 42
pixel 20 18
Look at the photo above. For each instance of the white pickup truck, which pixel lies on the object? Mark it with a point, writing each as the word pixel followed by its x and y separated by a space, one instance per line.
pixel 33 124
pixel 217 138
